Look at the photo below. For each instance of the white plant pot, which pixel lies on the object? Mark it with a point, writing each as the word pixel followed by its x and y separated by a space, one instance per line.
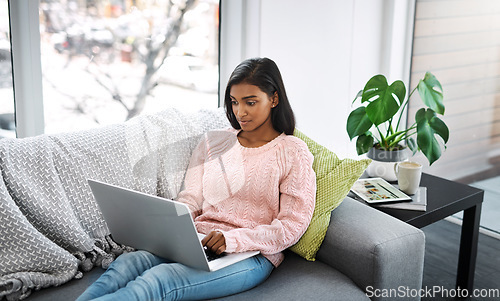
pixel 383 163
pixel 385 170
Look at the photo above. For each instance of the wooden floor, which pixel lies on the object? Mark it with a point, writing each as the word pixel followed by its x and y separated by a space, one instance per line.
pixel 441 259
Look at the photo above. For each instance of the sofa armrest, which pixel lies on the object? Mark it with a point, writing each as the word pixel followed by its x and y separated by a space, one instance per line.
pixel 374 249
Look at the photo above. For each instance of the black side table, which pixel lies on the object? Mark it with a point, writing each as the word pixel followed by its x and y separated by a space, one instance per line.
pixel 445 198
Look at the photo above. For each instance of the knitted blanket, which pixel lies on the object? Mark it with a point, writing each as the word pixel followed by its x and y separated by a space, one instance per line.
pixel 51 229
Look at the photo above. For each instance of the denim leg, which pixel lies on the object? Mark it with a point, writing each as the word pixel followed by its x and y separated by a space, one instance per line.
pixel 124 269
pixel 174 281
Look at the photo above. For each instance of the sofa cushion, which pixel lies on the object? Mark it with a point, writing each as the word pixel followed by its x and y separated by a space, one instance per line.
pixel 373 248
pixel 298 279
pixel 295 279
pixel 334 179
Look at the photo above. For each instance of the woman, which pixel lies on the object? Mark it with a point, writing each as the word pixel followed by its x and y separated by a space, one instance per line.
pixel 250 187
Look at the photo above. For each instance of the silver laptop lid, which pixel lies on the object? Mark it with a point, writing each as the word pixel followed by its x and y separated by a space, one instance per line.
pixel 161 226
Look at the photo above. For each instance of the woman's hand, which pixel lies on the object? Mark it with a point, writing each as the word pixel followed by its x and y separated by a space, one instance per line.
pixel 215 242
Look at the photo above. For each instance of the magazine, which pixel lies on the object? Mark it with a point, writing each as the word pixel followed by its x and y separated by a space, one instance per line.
pixel 418 202
pixel 378 190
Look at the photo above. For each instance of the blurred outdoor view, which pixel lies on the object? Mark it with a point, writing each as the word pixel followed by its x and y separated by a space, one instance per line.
pixel 106 61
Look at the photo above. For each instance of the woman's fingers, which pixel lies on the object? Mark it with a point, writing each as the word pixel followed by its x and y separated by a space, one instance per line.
pixel 215 241
pixel 219 247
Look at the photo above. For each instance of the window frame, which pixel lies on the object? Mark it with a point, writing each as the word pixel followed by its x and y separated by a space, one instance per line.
pixel 239 37
pixel 26 67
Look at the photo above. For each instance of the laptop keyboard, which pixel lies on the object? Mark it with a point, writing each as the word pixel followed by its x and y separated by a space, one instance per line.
pixel 211 255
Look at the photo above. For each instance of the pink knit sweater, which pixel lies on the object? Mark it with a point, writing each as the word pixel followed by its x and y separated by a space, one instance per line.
pixel 259 198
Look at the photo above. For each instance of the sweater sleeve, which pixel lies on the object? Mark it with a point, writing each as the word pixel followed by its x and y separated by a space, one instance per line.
pixel 297 200
pixel 192 194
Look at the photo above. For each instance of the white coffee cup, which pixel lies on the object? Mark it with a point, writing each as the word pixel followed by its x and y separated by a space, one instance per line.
pixel 408 174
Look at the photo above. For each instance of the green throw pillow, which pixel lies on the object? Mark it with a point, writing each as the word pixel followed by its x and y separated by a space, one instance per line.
pixel 334 179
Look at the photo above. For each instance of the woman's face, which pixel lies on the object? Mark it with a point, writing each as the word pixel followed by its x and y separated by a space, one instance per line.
pixel 252 107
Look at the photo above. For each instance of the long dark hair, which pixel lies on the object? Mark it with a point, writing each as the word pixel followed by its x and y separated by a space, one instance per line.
pixel 263 73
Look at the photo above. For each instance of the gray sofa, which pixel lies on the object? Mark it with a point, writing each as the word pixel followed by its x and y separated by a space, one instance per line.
pixel 366 254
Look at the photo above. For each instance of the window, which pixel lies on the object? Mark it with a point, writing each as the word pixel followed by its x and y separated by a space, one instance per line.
pixel 107 61
pixel 7 124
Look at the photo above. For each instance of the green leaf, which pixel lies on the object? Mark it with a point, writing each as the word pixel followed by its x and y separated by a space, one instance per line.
pixel 382 98
pixel 431 92
pixel 399 90
pixel 373 87
pixel 440 128
pixel 358 123
pixel 428 125
pixel 360 93
pixel 364 143
pixel 420 115
pixel 412 145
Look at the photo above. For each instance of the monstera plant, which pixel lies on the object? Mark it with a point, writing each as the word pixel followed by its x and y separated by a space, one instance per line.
pixel 377 122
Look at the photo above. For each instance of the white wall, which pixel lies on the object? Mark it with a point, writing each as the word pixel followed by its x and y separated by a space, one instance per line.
pixel 326 51
pixel 312 43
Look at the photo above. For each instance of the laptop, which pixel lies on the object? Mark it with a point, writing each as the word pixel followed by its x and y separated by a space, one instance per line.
pixel 161 226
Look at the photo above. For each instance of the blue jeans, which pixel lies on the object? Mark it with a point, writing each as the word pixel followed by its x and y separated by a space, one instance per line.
pixel 143 276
